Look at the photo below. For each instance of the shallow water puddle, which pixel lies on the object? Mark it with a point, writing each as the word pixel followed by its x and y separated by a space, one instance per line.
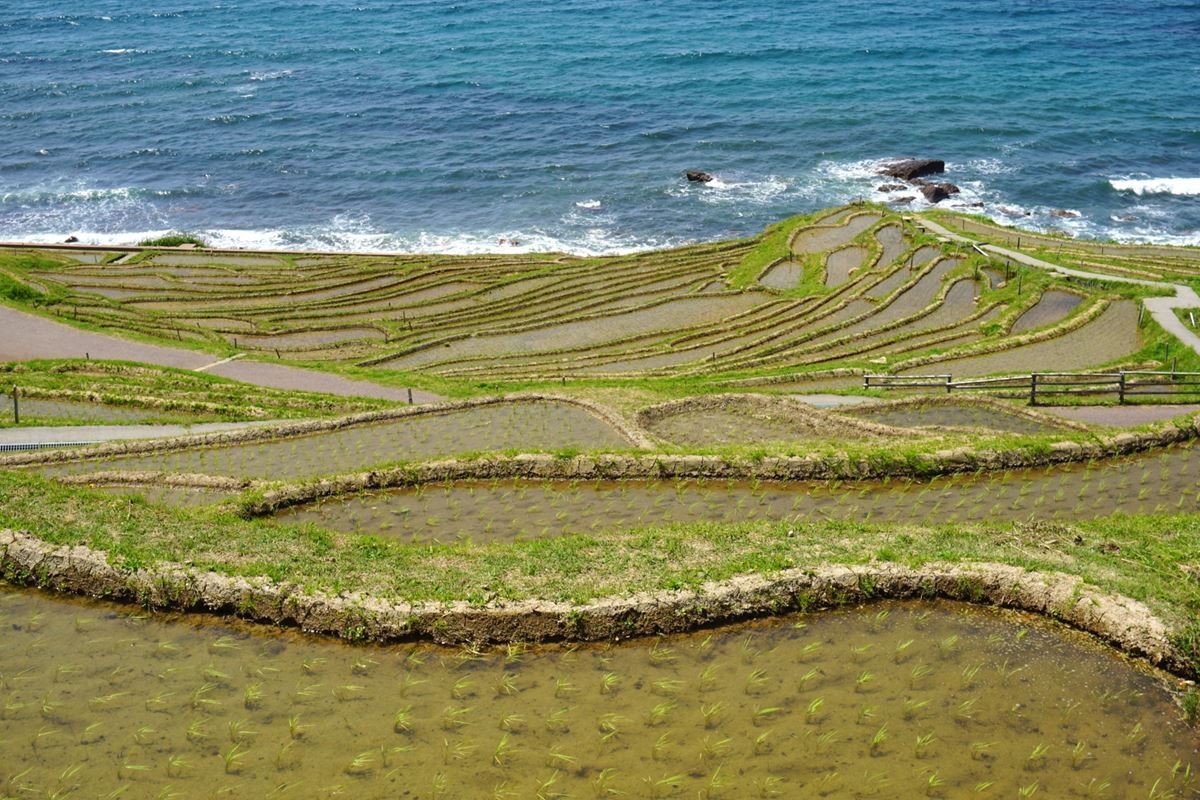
pixel 892 700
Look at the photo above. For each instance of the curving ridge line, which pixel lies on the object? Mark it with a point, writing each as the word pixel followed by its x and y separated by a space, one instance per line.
pixel 1161 308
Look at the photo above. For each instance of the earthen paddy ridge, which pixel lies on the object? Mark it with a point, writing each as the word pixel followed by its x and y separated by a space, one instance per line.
pixel 551 448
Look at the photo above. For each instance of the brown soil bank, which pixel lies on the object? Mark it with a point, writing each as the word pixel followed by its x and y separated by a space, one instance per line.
pixel 1124 622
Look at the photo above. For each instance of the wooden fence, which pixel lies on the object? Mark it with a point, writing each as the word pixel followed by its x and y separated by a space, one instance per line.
pixel 1127 386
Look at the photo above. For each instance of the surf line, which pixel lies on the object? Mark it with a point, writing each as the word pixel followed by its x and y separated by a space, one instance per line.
pixel 234 357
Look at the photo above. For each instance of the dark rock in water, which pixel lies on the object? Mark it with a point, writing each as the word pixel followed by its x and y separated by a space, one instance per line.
pixel 912 168
pixel 71 240
pixel 902 201
pixel 937 192
pixel 1065 213
pixel 976 204
pixel 696 176
pixel 891 187
pixel 1009 211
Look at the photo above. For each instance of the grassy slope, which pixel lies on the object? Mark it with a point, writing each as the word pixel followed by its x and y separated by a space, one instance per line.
pixel 1136 556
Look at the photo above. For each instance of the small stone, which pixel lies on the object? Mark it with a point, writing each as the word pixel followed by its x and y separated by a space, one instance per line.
pixel 696 176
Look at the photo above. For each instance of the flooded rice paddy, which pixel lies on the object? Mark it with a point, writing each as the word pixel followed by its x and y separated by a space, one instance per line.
pixel 954 415
pixel 1163 482
pixel 892 700
pixel 526 426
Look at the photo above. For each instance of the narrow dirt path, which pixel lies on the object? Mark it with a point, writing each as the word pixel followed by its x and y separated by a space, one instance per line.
pixel 1162 309
pixel 15 438
pixel 26 336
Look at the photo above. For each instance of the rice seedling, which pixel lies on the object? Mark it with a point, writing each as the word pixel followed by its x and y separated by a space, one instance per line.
pixel 143 735
pixel 503 751
pixel 362 764
pixel 826 740
pixel 512 723
pixel 665 786
pixel 92 733
pixel 602 783
pixel 197 731
pixel 661 655
pixel 934 784
pixel 455 717
pixel 923 743
pixel 765 714
pixel 458 751
pixel 200 700
pixel 828 783
pixel 240 731
pixel 252 696
pixel 763 743
pixel 440 786
pixel 287 756
pixel 409 683
pixel 813 714
pixel 234 759
pixel 1037 757
pixel 1028 790
pixel 878 740
pixel 865 714
pixel 969 673
pixel 609 682
pixel 556 721
pixel 708 678
pixel 129 772
pixel 296 729
pixel 918 674
pixel 712 749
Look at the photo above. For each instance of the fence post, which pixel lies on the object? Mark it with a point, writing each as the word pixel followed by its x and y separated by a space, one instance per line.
pixel 1121 388
pixel 16 406
pixel 410 402
pixel 948 379
pixel 866 381
pixel 1033 389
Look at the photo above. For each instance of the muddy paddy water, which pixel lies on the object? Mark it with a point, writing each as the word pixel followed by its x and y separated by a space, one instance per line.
pixel 892 700
pixel 1161 482
pixel 526 426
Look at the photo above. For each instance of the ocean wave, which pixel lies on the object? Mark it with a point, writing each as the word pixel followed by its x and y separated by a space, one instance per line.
pixel 1140 186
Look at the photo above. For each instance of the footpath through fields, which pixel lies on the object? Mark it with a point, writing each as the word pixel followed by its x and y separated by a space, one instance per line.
pixel 27 336
pixel 1161 308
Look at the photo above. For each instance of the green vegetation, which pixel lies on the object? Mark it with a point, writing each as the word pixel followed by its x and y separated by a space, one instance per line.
pixel 173 240
pixel 1129 555
pixel 166 394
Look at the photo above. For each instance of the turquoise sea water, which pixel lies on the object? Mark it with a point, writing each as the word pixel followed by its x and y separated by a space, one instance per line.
pixel 356 124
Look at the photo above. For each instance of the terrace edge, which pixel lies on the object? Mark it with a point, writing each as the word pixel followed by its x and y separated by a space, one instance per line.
pixel 1127 624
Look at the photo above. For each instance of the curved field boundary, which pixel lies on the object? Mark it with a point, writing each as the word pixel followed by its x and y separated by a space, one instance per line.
pixel 1119 620
pixel 630 432
pixel 795 410
pixel 674 467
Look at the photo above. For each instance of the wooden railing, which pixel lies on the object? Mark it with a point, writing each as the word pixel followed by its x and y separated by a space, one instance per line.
pixel 1127 386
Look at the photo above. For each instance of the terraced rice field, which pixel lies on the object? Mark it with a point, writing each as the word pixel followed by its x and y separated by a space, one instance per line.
pixel 37 408
pixel 528 427
pixel 1049 309
pixel 1108 337
pixel 888 700
pixel 1164 482
pixel 951 415
pixel 704 309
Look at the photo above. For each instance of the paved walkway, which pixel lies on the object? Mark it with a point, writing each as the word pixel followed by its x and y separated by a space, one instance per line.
pixel 11 438
pixel 27 336
pixel 1161 308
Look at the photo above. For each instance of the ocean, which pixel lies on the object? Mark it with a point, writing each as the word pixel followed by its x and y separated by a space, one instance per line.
pixel 568 125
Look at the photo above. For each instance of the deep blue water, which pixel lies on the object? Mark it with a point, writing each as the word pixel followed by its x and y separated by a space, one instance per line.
pixel 568 124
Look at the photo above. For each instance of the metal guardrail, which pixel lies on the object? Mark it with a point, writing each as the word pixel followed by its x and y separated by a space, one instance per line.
pixel 8 447
pixel 1126 385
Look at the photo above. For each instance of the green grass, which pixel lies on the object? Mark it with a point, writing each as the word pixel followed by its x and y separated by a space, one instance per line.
pixel 1135 556
pixel 173 240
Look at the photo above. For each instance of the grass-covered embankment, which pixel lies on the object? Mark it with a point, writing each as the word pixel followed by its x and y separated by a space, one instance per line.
pixel 1151 559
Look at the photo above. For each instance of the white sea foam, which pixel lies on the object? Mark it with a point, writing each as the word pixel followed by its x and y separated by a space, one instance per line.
pixel 1141 186
pixel 121 51
pixel 589 204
